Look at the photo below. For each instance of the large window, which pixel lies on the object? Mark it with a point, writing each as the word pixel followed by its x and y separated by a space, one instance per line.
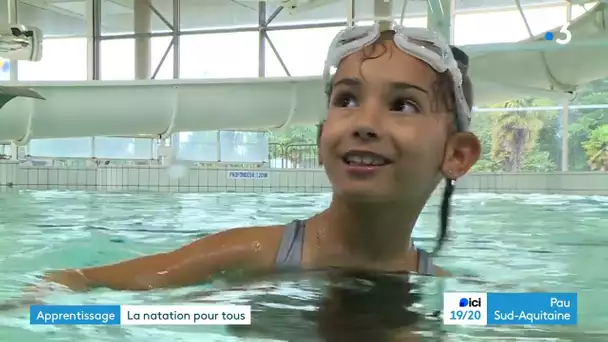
pixel 63 147
pixel 364 11
pixel 63 59
pixel 54 18
pixel 489 26
pixel 105 147
pixel 120 17
pixel 243 146
pixel 197 146
pixel 118 63
pixel 234 146
pixel 331 11
pixel 494 5
pixel 219 55
pixel 302 50
pixel 118 58
pixel 205 14
pixel 125 148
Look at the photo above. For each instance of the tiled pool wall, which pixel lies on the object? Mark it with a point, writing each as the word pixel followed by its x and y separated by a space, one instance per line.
pixel 17 176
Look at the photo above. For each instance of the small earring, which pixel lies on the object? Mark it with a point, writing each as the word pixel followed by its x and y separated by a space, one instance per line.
pixel 450 176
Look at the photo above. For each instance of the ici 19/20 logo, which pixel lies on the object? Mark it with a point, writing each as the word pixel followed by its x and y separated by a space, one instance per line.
pixel 469 302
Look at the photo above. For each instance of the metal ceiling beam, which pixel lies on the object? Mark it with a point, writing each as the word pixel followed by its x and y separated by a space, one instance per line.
pixel 439 18
pixel 262 23
pixel 13 18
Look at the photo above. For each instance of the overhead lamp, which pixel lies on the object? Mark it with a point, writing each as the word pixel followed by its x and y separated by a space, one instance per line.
pixel 19 42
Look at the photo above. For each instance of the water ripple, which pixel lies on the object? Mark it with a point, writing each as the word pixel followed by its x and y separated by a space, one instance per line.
pixel 517 242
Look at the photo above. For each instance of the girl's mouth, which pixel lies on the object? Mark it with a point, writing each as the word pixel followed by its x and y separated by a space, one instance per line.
pixel 365 158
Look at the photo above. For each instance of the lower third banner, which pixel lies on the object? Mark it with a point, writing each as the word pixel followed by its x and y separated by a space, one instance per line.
pixel 140 314
pixel 483 308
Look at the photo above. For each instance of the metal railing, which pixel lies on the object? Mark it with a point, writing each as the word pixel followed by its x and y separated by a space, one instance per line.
pixel 293 156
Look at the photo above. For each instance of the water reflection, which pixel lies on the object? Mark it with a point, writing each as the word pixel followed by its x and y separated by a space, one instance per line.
pixel 334 306
pixel 365 306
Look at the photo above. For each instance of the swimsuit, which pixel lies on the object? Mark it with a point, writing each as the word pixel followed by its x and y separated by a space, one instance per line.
pixel 289 256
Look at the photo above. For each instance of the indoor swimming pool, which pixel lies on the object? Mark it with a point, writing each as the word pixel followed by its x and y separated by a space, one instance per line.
pixel 515 242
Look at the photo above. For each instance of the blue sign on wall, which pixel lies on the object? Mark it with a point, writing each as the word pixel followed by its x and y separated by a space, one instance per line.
pixel 248 174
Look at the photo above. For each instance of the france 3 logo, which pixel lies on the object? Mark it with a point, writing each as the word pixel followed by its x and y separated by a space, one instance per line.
pixel 465 308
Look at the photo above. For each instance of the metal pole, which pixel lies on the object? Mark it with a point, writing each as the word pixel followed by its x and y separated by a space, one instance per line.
pixel 565 122
pixel 230 30
pixel 452 18
pixel 274 15
pixel 162 60
pixel 174 139
pixel 439 18
pixel 160 16
pixel 262 23
pixel 13 18
pixel 566 113
pixel 142 17
pixel 218 139
pixel 171 27
pixel 93 21
pixel 13 7
pixel 176 38
pixel 277 54
pixel 383 9
pixel 93 25
pixel 538 109
pixel 350 13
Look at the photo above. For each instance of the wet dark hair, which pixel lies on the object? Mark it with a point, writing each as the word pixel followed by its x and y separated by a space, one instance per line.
pixel 444 212
pixel 444 90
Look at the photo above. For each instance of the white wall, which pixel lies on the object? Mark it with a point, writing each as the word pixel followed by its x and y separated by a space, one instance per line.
pixel 208 179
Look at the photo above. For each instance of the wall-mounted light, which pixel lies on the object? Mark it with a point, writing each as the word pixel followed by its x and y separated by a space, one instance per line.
pixel 19 42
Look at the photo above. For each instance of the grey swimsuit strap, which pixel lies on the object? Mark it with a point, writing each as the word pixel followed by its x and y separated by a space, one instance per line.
pixel 289 256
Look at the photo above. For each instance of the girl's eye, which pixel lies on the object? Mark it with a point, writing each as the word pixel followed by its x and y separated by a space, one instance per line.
pixel 405 106
pixel 345 100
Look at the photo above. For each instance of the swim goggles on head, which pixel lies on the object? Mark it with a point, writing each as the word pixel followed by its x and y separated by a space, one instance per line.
pixel 421 43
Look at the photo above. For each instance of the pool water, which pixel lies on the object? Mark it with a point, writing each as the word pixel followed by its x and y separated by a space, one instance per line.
pixel 515 242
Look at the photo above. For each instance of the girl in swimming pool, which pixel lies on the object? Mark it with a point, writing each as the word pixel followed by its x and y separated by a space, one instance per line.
pixel 397 124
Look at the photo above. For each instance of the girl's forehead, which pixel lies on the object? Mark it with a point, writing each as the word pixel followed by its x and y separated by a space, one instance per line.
pixel 385 63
